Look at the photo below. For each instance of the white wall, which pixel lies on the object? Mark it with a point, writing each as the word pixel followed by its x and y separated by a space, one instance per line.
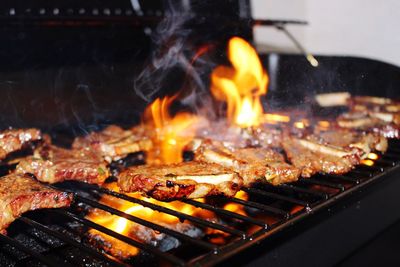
pixel 367 28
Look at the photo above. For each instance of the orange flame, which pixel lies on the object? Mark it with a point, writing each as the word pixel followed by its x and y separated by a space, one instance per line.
pixel 127 227
pixel 172 133
pixel 241 85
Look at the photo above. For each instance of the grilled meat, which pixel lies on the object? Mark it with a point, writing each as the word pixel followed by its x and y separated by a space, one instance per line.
pixel 182 180
pixel 21 193
pixel 365 122
pixel 53 164
pixel 15 139
pixel 114 143
pixel 253 164
pixel 313 156
pixel 348 139
pixel 384 109
pixel 264 135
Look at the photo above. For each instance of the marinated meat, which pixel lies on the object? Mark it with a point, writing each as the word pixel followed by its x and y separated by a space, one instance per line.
pixel 253 164
pixel 114 143
pixel 384 109
pixel 264 135
pixel 347 139
pixel 21 193
pixel 365 122
pixel 182 180
pixel 312 157
pixel 15 139
pixel 53 164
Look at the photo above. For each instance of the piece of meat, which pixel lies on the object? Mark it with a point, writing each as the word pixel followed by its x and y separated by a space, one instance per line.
pixel 374 103
pixel 21 193
pixel 363 121
pixel 264 135
pixel 53 164
pixel 384 109
pixel 252 164
pixel 347 139
pixel 15 139
pixel 313 156
pixel 181 180
pixel 114 143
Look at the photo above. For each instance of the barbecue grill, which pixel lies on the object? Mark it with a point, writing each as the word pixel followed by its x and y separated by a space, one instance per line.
pixel 50 79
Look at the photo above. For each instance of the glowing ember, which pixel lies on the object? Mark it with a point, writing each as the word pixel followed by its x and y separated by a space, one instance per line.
pixel 299 124
pixel 373 156
pixel 367 162
pixel 235 207
pixel 130 229
pixel 274 118
pixel 172 133
pixel 241 85
pixel 324 124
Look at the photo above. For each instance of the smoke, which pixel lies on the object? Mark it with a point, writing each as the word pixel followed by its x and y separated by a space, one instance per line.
pixel 173 60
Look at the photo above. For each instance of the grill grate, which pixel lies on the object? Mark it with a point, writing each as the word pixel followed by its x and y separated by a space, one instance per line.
pixel 269 209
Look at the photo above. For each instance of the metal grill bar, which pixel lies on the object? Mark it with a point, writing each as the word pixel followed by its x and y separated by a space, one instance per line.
pixel 44 259
pixel 151 225
pixel 275 196
pixel 163 255
pixel 370 168
pixel 340 177
pixel 312 181
pixel 362 173
pixel 225 212
pixel 387 163
pixel 177 214
pixel 256 205
pixel 297 189
pixel 70 241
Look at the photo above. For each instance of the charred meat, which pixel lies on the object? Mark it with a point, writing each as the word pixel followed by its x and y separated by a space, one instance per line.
pixel 182 180
pixel 114 143
pixel 253 164
pixel 21 193
pixel 15 139
pixel 53 164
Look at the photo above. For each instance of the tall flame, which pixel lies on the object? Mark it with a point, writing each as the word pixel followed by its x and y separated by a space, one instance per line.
pixel 242 84
pixel 172 133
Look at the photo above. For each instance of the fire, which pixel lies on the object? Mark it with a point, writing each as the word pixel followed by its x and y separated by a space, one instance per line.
pixel 369 161
pixel 172 133
pixel 271 118
pixel 241 85
pixel 235 207
pixel 129 228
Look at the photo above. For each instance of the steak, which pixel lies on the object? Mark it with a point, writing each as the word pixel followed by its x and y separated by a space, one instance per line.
pixel 53 164
pixel 15 139
pixel 114 143
pixel 21 193
pixel 181 180
pixel 253 164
